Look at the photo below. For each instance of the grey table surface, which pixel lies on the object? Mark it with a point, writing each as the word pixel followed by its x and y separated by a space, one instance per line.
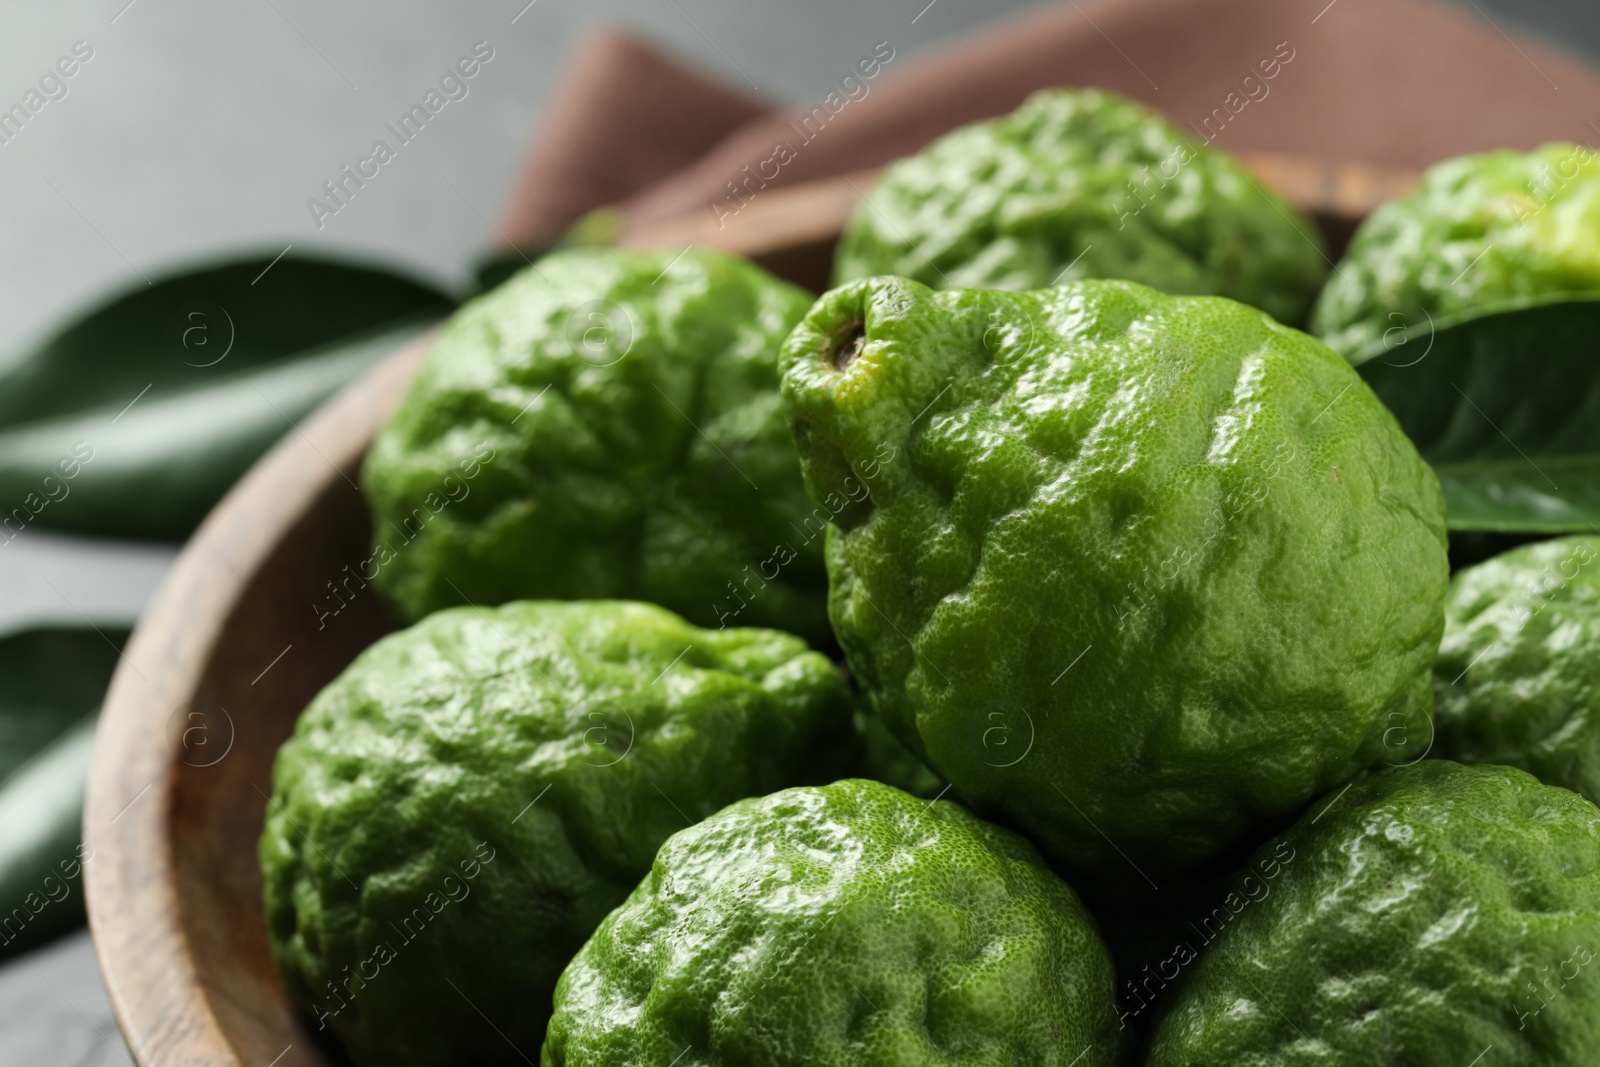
pixel 198 128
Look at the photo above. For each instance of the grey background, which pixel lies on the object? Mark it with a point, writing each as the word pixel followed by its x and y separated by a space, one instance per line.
pixel 202 128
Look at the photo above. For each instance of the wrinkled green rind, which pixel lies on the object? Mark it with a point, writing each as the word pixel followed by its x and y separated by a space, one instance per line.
pixel 1138 574
pixel 1429 914
pixel 851 925
pixel 456 812
pixel 1479 231
pixel 627 404
pixel 1505 403
pixel 177 387
pixel 1517 681
pixel 1084 184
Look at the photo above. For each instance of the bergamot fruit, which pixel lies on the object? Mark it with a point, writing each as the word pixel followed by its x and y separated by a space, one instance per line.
pixel 1139 574
pixel 604 425
pixel 1084 184
pixel 847 925
pixel 1479 232
pixel 1433 915
pixel 460 808
pixel 1518 676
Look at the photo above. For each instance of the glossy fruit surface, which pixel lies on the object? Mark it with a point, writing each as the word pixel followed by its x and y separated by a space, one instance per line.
pixel 604 425
pixel 1137 574
pixel 1478 232
pixel 1517 681
pixel 1434 915
pixel 456 813
pixel 1084 184
pixel 847 925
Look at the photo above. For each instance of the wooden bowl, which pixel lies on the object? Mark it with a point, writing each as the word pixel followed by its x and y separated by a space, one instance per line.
pixel 261 611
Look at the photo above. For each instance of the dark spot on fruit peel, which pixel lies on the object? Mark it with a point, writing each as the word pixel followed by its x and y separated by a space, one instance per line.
pixel 847 351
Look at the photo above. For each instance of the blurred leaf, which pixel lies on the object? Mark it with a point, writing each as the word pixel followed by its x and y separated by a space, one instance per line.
pixel 158 468
pixel 41 831
pixel 49 679
pixel 602 226
pixel 495 269
pixel 1505 404
pixel 171 391
pixel 1468 548
pixel 150 335
pixel 51 682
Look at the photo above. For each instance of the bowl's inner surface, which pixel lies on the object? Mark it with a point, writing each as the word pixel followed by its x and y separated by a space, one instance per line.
pixel 304 616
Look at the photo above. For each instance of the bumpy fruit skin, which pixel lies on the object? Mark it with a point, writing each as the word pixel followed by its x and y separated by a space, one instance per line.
pixel 459 809
pixel 1518 676
pixel 624 407
pixel 847 925
pixel 1084 184
pixel 1138 574
pixel 1431 913
pixel 1479 231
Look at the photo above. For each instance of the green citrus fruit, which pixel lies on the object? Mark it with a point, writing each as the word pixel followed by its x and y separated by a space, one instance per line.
pixel 1518 676
pixel 605 424
pixel 1139 574
pixel 1479 231
pixel 459 809
pixel 848 925
pixel 1084 184
pixel 1434 915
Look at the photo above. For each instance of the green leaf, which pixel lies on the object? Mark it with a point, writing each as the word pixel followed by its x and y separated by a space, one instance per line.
pixel 41 842
pixel 51 683
pixel 159 466
pixel 602 226
pixel 1506 406
pixel 494 270
pixel 133 420
pixel 50 678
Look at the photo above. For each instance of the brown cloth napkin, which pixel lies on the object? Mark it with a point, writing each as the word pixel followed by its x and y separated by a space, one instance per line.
pixel 1394 83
